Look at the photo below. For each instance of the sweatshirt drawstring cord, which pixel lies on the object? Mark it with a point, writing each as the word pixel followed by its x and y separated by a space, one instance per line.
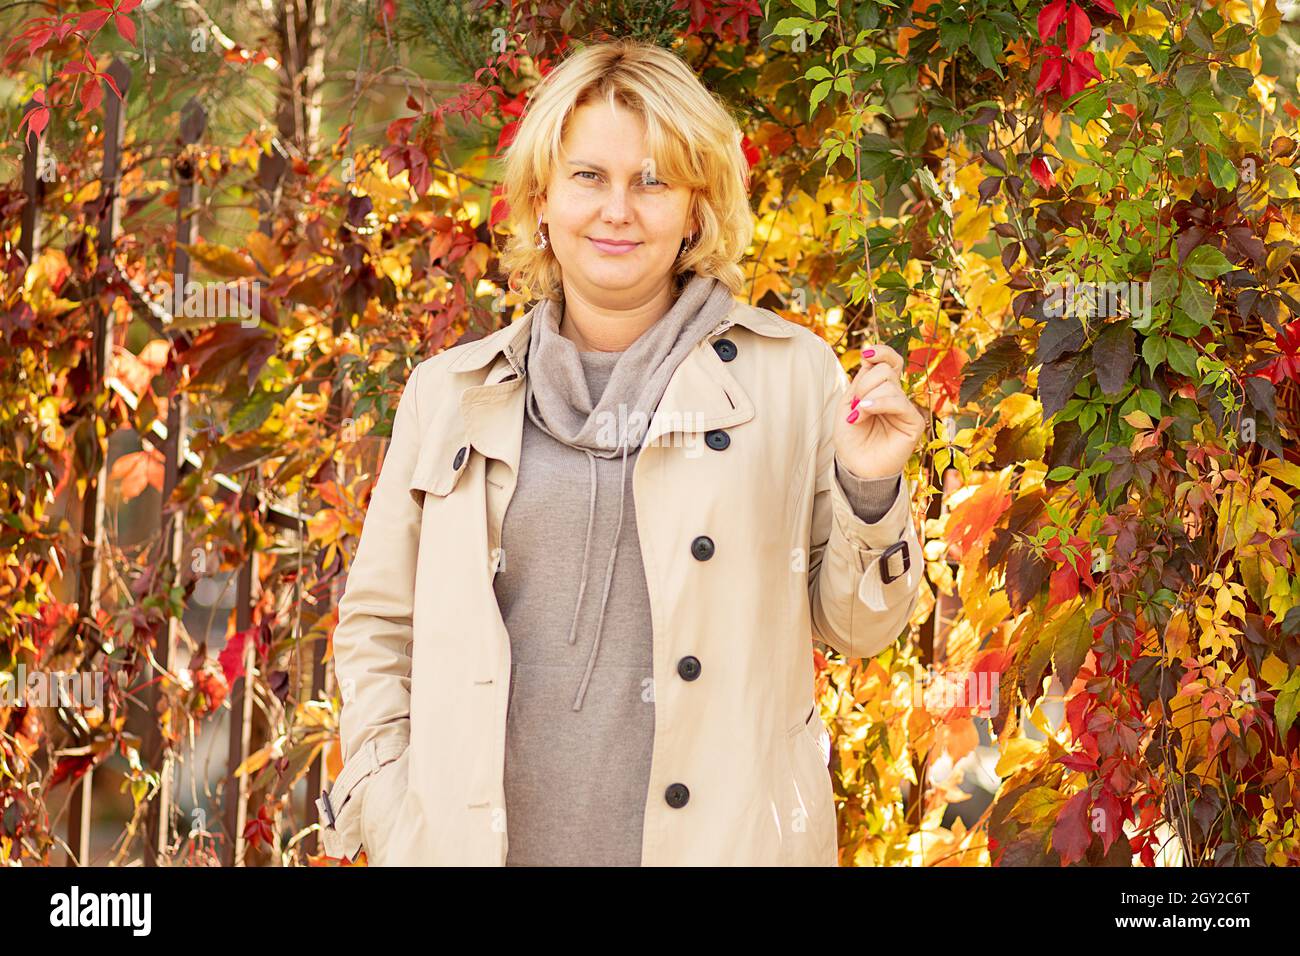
pixel 586 550
pixel 609 573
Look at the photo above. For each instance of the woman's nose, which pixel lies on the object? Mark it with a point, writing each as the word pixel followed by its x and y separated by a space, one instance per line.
pixel 615 208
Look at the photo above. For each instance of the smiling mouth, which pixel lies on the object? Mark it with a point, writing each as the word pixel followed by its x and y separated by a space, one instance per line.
pixel 614 243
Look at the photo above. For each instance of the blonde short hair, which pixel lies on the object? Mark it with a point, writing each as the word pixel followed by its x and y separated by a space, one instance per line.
pixel 693 141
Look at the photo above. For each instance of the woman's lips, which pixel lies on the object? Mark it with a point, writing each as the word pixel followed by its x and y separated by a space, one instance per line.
pixel 613 248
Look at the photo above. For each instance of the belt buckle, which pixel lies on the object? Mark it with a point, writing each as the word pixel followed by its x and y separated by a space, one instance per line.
pixel 324 808
pixel 885 576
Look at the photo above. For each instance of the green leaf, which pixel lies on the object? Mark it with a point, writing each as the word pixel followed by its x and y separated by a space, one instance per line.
pixel 1222 172
pixel 1191 76
pixel 1284 709
pixel 954 35
pixel 818 94
pixel 987 44
pixel 1182 358
pixel 1071 647
pixel 790 26
pixel 1164 283
pixel 1206 262
pixel 1197 301
pixel 1154 350
pixel 1149 402
pixel 1236 80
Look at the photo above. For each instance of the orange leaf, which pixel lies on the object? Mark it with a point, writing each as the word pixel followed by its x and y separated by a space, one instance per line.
pixel 137 469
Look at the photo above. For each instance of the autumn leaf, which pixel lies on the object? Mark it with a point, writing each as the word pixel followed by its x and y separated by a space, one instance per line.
pixel 135 470
pixel 1072 833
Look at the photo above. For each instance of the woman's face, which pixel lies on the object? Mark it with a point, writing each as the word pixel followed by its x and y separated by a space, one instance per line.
pixel 613 227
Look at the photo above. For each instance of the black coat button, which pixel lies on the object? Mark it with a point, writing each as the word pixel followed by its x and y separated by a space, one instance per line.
pixel 460 457
pixel 702 548
pixel 677 795
pixel 725 348
pixel 717 439
pixel 689 668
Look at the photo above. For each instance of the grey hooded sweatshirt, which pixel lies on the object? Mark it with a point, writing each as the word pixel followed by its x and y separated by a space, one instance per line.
pixel 572 590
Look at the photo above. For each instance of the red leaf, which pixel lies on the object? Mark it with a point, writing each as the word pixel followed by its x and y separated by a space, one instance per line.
pixel 112 83
pixel 92 20
pixel 1078 28
pixel 1049 18
pixel 1086 62
pixel 752 155
pixel 1042 173
pixel 36 119
pixel 39 39
pixel 1072 834
pixel 92 94
pixel 1073 80
pixel 1108 6
pixel 231 657
pixel 1112 818
pixel 500 210
pixel 125 27
pixel 1049 76
pixel 1080 761
pixel 1064 585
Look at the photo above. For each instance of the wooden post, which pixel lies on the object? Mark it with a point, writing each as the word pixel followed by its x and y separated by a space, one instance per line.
pixel 171 522
pixel 89 570
pixel 246 732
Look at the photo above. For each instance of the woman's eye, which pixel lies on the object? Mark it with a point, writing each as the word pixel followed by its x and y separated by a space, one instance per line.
pixel 587 172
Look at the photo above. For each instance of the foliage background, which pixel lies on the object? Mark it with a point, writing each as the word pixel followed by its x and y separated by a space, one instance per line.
pixel 1109 499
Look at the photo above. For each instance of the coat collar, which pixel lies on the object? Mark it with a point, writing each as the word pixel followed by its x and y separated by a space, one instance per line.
pixel 512 341
pixel 702 394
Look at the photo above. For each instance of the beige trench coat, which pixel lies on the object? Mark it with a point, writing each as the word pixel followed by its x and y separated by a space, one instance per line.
pixel 422 655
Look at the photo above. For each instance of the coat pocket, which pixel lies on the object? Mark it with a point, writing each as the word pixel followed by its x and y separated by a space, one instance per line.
pixel 380 801
pixel 341 808
pixel 811 830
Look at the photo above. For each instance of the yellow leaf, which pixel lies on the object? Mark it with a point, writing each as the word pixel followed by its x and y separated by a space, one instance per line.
pixel 1271 19
pixel 1283 471
pixel 1139 419
pixel 973 225
pixel 1021 752
pixel 1274 671
pixel 265 251
pixel 255 761
pixel 220 260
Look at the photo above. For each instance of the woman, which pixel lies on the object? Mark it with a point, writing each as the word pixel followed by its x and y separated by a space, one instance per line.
pixel 577 627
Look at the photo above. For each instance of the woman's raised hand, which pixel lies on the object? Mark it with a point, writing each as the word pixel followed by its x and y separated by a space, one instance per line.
pixel 877 427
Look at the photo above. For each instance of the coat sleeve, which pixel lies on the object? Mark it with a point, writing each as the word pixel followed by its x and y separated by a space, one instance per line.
pixel 373 637
pixel 855 609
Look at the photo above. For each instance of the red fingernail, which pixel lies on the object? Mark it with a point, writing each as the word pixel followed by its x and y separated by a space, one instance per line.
pixel 853 416
pixel 854 403
pixel 867 353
